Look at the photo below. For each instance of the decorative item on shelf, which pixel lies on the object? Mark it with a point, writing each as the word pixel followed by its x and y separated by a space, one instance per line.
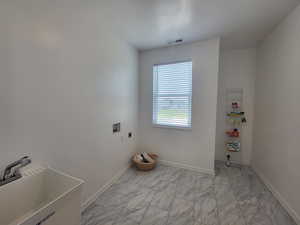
pixel 236 114
pixel 233 133
pixel 236 118
pixel 235 121
pixel 233 146
pixel 235 105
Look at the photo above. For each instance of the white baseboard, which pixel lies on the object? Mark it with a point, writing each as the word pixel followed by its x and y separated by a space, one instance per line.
pixel 106 186
pixel 279 197
pixel 187 167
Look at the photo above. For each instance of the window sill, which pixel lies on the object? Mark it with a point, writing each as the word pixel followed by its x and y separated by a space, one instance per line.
pixel 172 127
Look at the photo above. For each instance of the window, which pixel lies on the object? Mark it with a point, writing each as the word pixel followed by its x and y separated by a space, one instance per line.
pixel 172 95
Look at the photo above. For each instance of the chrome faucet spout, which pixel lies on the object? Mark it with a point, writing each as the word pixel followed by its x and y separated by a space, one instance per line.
pixel 12 171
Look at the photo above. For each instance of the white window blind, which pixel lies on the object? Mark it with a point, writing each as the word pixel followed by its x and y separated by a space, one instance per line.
pixel 172 94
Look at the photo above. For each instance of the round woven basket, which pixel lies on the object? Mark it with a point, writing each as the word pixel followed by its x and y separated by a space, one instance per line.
pixel 145 166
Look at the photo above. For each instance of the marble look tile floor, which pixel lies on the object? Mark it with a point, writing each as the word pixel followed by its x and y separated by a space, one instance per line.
pixel 173 196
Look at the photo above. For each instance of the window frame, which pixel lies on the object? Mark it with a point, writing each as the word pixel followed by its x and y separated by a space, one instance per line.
pixel 154 115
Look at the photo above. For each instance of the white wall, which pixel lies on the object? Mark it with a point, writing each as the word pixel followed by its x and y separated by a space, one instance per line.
pixel 65 80
pixel 237 70
pixel 5 80
pixel 195 148
pixel 277 122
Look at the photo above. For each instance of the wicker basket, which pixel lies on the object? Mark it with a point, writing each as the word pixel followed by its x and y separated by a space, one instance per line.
pixel 145 166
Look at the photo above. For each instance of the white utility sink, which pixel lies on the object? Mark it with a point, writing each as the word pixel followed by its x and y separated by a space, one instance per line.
pixel 43 196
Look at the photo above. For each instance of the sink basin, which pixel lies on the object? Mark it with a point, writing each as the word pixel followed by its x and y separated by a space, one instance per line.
pixel 43 196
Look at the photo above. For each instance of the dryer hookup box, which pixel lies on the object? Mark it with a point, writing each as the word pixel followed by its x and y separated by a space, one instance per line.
pixel 116 127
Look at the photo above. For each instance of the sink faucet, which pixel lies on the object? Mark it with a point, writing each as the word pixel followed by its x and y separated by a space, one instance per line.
pixel 12 171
